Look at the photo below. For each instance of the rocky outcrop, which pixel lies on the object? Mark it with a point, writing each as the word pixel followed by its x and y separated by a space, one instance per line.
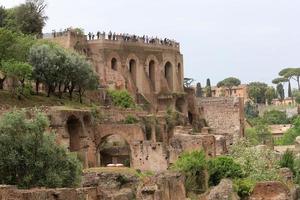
pixel 223 191
pixel 270 190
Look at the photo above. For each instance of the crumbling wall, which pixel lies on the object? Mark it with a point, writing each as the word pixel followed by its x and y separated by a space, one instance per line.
pixel 151 156
pixel 224 115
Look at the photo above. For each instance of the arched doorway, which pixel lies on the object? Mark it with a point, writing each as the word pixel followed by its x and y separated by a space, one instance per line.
pixel 132 70
pixel 74 129
pixel 179 105
pixel 113 149
pixel 152 72
pixel 179 74
pixel 169 74
pixel 114 64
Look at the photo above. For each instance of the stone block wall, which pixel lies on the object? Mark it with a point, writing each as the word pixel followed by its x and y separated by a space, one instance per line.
pixel 224 115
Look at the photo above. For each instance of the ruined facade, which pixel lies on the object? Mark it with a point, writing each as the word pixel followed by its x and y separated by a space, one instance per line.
pixel 151 72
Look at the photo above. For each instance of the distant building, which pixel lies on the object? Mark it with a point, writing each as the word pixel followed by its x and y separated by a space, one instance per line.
pixel 287 101
pixel 236 91
pixel 277 130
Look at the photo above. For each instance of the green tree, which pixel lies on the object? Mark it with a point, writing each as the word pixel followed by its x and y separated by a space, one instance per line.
pixel 193 165
pixel 223 167
pixel 13 46
pixel 257 91
pixel 229 83
pixel 19 72
pixel 280 91
pixel 208 88
pixel 291 73
pixel 270 94
pixel 2 16
pixel 199 92
pixel 28 18
pixel 251 110
pixel 29 156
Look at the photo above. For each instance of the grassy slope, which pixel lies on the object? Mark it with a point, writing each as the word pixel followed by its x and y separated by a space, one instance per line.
pixel 7 100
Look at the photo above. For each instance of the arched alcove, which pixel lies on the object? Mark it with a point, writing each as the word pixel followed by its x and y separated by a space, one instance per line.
pixel 169 74
pixel 179 74
pixel 74 127
pixel 114 64
pixel 151 69
pixel 114 149
pixel 133 70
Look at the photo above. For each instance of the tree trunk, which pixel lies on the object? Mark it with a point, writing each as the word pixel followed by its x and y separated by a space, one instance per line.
pixel 298 82
pixel 59 91
pixel 49 91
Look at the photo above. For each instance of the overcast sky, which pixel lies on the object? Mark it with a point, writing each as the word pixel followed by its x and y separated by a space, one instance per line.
pixel 248 39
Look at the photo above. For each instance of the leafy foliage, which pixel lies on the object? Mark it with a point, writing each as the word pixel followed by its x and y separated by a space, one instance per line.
pixel 257 91
pixel 287 160
pixel 251 110
pixel 193 165
pixel 28 18
pixel 121 98
pixel 130 119
pixel 244 187
pixel 275 117
pixel 229 83
pixel 258 164
pixel 29 156
pixel 289 137
pixel 223 167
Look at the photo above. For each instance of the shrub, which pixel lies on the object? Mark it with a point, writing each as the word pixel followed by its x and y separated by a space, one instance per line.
pixel 130 119
pixel 121 98
pixel 244 187
pixel 193 165
pixel 223 167
pixel 29 156
pixel 289 137
pixel 275 117
pixel 287 160
pixel 259 164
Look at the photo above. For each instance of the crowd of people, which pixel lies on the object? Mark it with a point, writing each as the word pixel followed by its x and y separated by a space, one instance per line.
pixel 119 37
pixel 131 38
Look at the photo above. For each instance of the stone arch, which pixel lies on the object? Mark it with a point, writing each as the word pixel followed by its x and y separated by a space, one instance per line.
pixel 151 67
pixel 132 66
pixel 168 72
pixel 75 130
pixel 114 61
pixel 179 74
pixel 114 149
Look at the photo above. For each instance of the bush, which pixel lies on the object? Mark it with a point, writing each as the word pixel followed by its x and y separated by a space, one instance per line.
pixel 289 137
pixel 259 164
pixel 121 98
pixel 223 167
pixel 275 117
pixel 244 187
pixel 29 156
pixel 287 160
pixel 193 165
pixel 130 119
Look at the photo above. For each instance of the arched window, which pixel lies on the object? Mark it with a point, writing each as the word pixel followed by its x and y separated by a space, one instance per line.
pixel 152 72
pixel 179 74
pixel 114 64
pixel 132 69
pixel 169 74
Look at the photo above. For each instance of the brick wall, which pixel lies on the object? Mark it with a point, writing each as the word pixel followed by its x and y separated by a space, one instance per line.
pixel 225 115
